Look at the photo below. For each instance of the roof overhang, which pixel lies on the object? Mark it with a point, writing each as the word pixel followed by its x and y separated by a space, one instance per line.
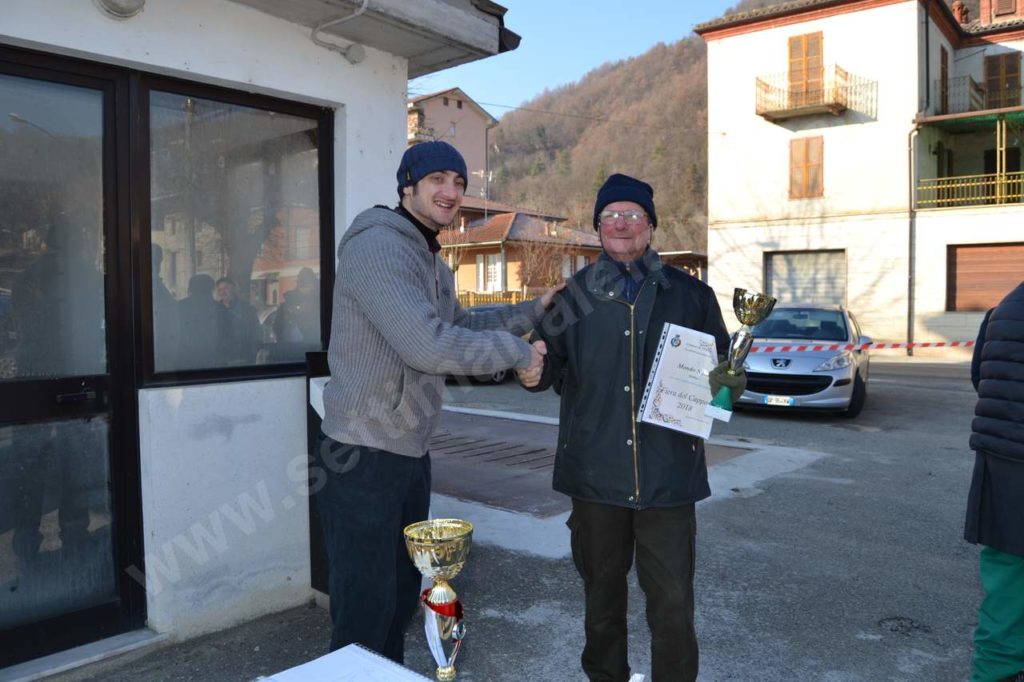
pixel 973 121
pixel 431 34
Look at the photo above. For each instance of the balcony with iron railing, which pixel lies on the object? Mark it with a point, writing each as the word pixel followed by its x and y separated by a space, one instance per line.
pixel 833 91
pixel 987 189
pixel 960 95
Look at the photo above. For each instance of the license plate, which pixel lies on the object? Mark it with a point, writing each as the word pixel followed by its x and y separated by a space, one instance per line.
pixel 780 400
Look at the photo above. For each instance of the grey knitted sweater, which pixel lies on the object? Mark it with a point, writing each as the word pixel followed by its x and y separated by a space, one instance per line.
pixel 397 330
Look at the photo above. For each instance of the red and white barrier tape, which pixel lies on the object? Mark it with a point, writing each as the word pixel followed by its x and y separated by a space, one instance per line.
pixel 855 346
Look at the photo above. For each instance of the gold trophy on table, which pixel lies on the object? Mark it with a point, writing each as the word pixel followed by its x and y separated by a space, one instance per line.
pixel 751 308
pixel 438 548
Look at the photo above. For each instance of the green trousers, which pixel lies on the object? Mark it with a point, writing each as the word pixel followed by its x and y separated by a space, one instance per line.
pixel 999 637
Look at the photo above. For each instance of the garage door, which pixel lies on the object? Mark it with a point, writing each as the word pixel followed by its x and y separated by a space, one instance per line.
pixel 806 276
pixel 979 275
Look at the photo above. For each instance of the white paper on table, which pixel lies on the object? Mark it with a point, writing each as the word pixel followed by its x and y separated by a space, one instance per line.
pixel 677 389
pixel 352 663
pixel 316 394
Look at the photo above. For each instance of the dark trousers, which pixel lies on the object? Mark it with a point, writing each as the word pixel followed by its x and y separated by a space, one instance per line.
pixel 365 498
pixel 604 539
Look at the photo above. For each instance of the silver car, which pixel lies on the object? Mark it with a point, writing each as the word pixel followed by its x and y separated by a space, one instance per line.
pixel 785 371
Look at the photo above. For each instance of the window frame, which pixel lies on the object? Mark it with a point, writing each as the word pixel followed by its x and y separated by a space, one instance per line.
pixel 142 85
pixel 996 72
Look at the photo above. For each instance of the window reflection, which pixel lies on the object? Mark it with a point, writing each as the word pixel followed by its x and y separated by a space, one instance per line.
pixel 55 519
pixel 235 229
pixel 51 249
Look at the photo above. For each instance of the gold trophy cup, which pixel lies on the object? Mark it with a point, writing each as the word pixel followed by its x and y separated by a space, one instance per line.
pixel 750 308
pixel 438 548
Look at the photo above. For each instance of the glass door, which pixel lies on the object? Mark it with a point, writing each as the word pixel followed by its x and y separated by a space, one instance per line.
pixel 59 502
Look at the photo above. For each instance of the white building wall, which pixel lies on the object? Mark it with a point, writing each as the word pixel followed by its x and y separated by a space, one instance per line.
pixel 204 449
pixel 866 202
pixel 938 230
pixel 748 156
pixel 876 262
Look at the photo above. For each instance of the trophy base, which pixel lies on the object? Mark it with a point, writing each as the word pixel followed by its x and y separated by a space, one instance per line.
pixel 446 673
pixel 720 406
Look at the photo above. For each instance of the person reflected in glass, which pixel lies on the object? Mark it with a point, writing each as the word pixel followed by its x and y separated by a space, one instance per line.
pixel 57 303
pixel 200 319
pixel 165 306
pixel 298 321
pixel 239 334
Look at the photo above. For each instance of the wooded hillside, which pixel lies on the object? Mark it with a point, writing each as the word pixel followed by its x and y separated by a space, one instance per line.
pixel 645 116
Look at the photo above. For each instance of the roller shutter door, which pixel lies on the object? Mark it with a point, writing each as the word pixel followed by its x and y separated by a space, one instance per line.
pixel 980 275
pixel 807 276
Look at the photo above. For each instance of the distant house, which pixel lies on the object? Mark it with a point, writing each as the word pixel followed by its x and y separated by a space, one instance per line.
pixel 506 248
pixel 516 252
pixel 887 138
pixel 452 116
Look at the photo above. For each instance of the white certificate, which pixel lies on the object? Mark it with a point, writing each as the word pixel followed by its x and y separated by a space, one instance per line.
pixel 677 389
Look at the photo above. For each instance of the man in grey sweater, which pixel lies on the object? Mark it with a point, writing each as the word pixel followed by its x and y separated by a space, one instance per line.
pixel 397 330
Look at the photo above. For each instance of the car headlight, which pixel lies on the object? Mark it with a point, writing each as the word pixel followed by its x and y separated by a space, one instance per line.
pixel 844 359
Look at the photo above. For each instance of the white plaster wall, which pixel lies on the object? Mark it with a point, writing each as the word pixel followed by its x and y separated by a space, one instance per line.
pixel 226 515
pixel 982 225
pixel 208 451
pixel 876 261
pixel 864 155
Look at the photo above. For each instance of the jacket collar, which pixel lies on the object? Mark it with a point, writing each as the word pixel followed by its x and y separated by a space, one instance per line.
pixel 605 277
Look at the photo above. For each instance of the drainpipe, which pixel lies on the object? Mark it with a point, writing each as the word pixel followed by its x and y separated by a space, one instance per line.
pixel 355 52
pixel 911 236
pixel 927 59
pixel 504 268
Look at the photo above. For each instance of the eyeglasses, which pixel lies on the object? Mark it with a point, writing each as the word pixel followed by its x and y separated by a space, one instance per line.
pixel 632 218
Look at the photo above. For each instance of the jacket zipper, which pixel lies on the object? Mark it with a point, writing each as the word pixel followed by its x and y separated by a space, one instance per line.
pixel 632 397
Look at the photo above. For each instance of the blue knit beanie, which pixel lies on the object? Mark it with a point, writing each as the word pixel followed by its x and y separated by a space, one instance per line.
pixel 619 187
pixel 425 158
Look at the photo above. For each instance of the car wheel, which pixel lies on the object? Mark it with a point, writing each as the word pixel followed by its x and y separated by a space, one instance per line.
pixel 860 394
pixel 497 377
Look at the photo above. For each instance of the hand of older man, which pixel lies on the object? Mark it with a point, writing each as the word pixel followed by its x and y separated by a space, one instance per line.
pixel 721 376
pixel 530 376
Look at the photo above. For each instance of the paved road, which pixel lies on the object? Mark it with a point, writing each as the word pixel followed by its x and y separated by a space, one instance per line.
pixel 830 550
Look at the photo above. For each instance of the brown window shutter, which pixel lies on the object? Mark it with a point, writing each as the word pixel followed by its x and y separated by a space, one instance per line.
pixel 806 166
pixel 796 168
pixel 806 70
pixel 1005 7
pixel 943 80
pixel 815 167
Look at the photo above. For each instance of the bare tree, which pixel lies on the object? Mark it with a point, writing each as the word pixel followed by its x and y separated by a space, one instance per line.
pixel 540 263
pixel 454 249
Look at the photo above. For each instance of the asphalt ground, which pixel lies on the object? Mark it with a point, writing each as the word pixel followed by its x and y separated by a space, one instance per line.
pixel 830 550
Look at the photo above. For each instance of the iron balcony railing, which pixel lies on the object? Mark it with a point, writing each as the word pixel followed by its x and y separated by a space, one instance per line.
pixel 831 90
pixel 971 190
pixel 960 95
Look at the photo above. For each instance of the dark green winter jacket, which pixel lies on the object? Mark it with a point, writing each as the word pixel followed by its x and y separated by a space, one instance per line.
pixel 600 350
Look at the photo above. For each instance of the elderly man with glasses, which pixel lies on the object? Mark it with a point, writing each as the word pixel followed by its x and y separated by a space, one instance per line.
pixel 633 485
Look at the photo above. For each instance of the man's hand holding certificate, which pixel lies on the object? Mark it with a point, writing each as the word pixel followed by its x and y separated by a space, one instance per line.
pixel 677 389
